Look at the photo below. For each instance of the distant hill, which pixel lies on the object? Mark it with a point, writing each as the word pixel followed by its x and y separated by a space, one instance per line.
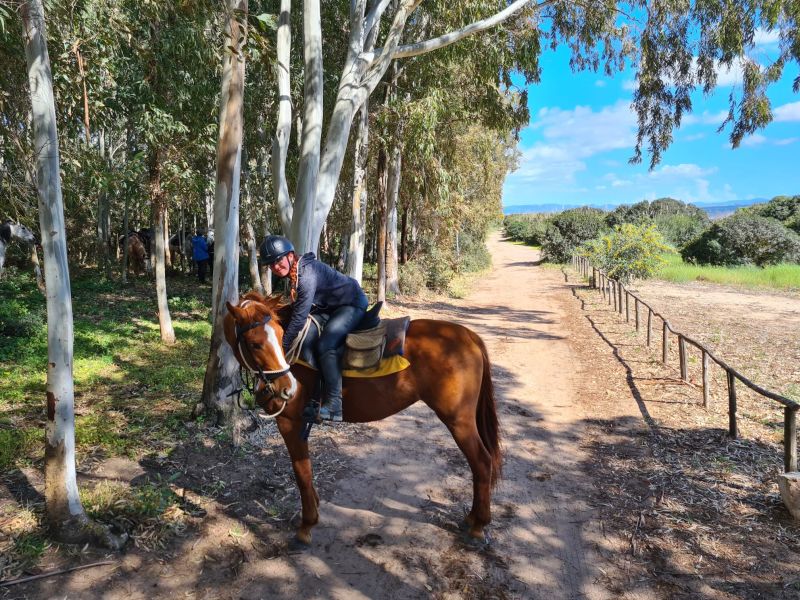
pixel 715 210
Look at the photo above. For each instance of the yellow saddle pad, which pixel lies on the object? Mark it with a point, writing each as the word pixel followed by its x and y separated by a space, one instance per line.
pixel 387 366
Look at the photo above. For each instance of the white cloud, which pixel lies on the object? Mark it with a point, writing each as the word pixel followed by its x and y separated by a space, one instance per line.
pixel 681 171
pixel 570 137
pixel 705 118
pixel 754 140
pixel 600 83
pixel 787 112
pixel 765 38
pixel 694 137
pixel 786 141
pixel 733 75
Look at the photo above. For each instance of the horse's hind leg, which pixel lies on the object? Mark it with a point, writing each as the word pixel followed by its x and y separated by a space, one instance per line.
pixel 301 463
pixel 480 463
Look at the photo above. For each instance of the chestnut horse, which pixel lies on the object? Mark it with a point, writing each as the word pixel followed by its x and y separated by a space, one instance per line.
pixel 449 371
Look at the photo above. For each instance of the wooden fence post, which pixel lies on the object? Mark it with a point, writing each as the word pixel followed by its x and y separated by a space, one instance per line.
pixel 682 355
pixel 649 324
pixel 627 307
pixel 732 430
pixel 789 439
pixel 705 379
pixel 636 311
pixel 619 289
pixel 665 343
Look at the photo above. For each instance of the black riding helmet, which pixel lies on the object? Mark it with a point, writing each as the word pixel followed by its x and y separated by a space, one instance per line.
pixel 274 248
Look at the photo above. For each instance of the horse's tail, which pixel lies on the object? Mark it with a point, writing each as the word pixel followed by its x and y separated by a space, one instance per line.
pixel 486 415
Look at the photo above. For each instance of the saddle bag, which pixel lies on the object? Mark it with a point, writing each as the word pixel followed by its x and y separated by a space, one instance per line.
pixel 364 349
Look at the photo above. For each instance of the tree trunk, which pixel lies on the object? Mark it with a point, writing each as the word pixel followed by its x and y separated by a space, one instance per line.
pixel 157 253
pixel 125 226
pixel 303 223
pixel 253 262
pixel 65 515
pixel 167 253
pixel 403 235
pixel 283 129
pixel 222 370
pixel 355 251
pixel 393 185
pixel 381 233
pixel 103 219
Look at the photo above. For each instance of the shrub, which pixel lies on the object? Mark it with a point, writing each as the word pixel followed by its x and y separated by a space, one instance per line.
pixel 439 269
pixel 680 229
pixel 527 228
pixel 412 278
pixel 568 230
pixel 782 208
pixel 741 239
pixel 473 254
pixel 629 252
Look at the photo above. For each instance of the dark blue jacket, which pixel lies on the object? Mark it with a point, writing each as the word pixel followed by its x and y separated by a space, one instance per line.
pixel 199 248
pixel 320 289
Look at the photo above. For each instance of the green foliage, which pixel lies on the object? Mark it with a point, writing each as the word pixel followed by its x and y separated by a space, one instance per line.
pixel 680 229
pixel 527 228
pixel 629 252
pixel 568 230
pixel 781 208
pixel 412 277
pixel 744 238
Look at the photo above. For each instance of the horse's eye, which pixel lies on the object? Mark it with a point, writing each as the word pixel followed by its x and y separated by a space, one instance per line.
pixel 256 346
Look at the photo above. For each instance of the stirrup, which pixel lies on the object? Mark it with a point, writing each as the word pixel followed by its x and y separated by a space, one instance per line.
pixel 325 414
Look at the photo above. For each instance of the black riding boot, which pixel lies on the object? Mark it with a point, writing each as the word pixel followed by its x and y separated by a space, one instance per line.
pixel 332 389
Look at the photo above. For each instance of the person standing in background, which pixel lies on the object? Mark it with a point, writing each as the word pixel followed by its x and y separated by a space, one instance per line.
pixel 200 254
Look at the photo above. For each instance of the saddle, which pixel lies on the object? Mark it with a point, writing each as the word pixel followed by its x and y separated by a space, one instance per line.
pixel 373 341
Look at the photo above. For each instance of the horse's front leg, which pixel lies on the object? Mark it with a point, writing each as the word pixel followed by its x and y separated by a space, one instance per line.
pixel 301 463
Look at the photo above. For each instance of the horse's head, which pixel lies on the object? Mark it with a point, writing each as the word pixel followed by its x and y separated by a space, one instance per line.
pixel 22 233
pixel 253 329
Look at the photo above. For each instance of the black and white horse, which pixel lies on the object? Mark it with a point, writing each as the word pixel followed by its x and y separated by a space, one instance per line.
pixel 11 230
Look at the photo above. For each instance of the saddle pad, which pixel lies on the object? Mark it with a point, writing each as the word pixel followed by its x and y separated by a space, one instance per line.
pixel 387 366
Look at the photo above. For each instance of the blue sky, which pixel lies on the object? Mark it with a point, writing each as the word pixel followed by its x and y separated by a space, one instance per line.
pixel 582 132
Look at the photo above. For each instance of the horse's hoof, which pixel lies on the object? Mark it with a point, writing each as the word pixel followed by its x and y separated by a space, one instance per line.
pixel 475 541
pixel 297 546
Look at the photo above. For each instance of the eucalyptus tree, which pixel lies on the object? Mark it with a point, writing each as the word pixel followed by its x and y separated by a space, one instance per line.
pixel 222 372
pixel 675 47
pixel 66 517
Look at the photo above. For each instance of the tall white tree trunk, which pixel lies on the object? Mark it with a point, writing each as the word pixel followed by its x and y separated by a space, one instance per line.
pixel 393 189
pixel 355 250
pixel 157 252
pixel 65 514
pixel 303 218
pixel 222 370
pixel 283 129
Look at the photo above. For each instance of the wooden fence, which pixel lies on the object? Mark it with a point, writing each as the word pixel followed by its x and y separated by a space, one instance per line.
pixel 620 298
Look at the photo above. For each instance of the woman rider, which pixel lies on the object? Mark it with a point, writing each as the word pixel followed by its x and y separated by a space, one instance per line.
pixel 316 286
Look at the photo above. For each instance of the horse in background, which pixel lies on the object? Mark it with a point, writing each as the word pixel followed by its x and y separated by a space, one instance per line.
pixel 137 252
pixel 182 252
pixel 12 230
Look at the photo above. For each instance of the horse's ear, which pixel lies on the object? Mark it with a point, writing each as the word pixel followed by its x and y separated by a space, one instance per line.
pixel 234 310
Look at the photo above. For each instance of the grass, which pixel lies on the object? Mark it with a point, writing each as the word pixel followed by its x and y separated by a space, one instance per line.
pixel 782 277
pixel 131 391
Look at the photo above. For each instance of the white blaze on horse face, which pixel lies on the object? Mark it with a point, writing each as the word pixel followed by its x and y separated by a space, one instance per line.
pixel 272 340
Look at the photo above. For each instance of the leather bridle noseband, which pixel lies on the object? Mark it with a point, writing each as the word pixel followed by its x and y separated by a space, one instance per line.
pixel 258 374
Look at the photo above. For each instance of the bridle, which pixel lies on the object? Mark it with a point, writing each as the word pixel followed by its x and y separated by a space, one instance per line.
pixel 257 373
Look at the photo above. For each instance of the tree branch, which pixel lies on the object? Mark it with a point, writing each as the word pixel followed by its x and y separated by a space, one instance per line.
pixel 454 36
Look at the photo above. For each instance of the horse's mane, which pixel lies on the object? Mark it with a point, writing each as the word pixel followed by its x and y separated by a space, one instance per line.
pixel 273 304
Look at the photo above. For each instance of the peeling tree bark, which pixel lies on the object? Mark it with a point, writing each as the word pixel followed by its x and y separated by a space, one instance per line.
pixel 222 370
pixel 157 251
pixel 393 189
pixel 65 515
